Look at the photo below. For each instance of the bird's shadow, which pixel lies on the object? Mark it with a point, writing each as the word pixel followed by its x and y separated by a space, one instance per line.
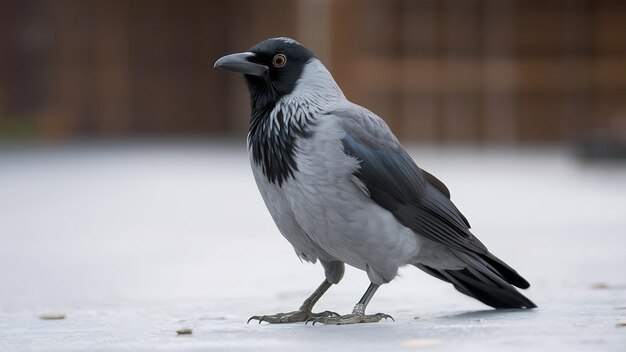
pixel 488 313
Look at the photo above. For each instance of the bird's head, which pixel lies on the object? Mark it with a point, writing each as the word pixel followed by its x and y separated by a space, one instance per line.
pixel 273 68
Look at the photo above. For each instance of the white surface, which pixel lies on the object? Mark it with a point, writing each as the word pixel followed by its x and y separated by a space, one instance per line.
pixel 134 241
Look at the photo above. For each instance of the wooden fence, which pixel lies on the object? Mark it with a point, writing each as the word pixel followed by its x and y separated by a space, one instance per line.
pixel 450 71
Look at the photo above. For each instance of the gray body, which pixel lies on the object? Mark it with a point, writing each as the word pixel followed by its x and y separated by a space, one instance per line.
pixel 324 211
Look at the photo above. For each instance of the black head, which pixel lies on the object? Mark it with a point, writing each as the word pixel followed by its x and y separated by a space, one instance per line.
pixel 271 68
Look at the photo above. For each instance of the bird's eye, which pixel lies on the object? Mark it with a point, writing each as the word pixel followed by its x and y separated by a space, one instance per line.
pixel 279 60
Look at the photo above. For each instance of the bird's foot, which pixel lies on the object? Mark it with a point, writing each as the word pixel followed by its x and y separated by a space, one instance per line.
pixel 353 318
pixel 292 317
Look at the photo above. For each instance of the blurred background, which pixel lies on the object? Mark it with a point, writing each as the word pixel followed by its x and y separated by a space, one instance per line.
pixel 439 71
pixel 127 200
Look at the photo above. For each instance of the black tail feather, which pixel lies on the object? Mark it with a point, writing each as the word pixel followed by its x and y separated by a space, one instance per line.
pixel 509 274
pixel 482 280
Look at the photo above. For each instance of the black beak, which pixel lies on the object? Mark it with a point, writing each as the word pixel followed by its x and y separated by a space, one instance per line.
pixel 239 63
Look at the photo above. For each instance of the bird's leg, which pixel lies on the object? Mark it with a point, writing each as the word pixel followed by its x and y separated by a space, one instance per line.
pixel 301 314
pixel 358 313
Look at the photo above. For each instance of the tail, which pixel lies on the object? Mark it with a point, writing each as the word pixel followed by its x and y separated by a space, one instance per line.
pixel 486 278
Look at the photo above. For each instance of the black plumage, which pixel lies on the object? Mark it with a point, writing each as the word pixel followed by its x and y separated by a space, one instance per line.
pixel 272 146
pixel 422 203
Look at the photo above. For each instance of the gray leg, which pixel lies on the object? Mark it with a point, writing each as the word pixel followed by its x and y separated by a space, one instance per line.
pixel 301 314
pixel 358 313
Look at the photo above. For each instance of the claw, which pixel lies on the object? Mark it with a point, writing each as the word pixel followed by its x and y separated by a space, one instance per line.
pixel 388 316
pixel 260 318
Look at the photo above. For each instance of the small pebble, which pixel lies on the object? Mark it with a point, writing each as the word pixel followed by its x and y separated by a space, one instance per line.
pixel 52 316
pixel 599 286
pixel 184 331
pixel 621 324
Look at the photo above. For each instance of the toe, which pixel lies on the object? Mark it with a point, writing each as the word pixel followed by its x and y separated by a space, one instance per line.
pixel 387 316
pixel 324 314
pixel 328 313
pixel 257 317
pixel 382 316
pixel 354 319
pixel 281 318
pixel 263 318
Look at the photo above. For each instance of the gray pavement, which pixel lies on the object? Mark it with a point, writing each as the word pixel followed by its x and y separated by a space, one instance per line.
pixel 133 241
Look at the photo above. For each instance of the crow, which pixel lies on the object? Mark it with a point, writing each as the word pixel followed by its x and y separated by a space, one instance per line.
pixel 342 190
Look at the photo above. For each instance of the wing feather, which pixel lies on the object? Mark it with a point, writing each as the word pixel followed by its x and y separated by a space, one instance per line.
pixel 416 198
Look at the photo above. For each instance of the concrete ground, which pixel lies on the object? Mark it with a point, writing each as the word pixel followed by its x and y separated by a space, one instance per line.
pixel 132 241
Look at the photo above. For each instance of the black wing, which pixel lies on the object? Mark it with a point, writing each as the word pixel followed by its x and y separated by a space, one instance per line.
pixel 416 198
